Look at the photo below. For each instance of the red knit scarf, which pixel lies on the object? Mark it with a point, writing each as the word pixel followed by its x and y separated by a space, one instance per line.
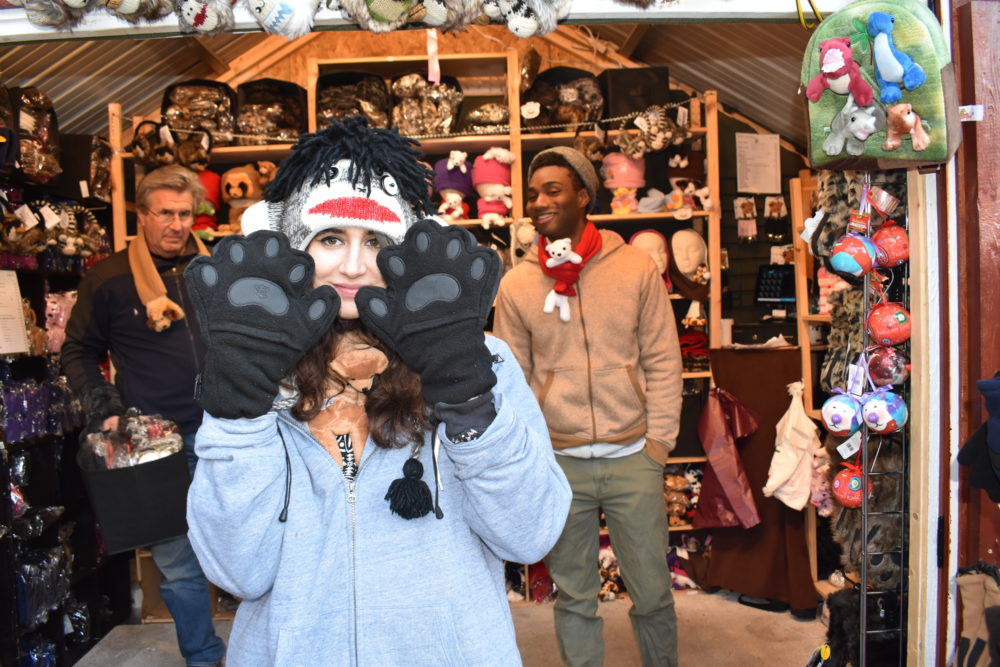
pixel 567 273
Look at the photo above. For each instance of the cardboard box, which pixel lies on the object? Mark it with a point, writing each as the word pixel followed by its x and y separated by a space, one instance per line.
pixel 140 505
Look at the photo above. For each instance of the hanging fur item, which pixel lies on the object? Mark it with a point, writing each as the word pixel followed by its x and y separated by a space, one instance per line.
pixel 57 14
pixel 287 18
pixel 378 15
pixel 137 11
pixel 446 15
pixel 529 18
pixel 207 17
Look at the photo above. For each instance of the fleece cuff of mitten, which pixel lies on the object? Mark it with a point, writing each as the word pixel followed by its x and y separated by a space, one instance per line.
pixel 102 401
pixel 474 415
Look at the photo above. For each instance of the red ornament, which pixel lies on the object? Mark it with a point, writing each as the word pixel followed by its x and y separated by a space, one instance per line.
pixel 895 245
pixel 847 485
pixel 887 365
pixel 889 324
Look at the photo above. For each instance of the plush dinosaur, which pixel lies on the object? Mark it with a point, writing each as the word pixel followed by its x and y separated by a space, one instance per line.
pixel 852 126
pixel 893 68
pixel 839 72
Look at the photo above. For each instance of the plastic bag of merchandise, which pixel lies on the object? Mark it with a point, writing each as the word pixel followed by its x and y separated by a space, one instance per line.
pixel 38 134
pixel 138 439
pixel 423 108
pixel 343 94
pixel 270 111
pixel 201 104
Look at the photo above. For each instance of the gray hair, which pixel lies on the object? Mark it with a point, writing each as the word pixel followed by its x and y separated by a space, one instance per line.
pixel 172 177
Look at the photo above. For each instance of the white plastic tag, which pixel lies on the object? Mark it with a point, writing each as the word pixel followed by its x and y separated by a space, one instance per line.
pixel 84 189
pixel 682 116
pixel 971 112
pixel 599 133
pixel 26 216
pixel 850 446
pixel 50 217
pixel 856 380
pixel 27 122
pixel 810 225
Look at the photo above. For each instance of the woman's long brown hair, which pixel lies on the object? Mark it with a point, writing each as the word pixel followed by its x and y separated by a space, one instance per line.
pixel 397 413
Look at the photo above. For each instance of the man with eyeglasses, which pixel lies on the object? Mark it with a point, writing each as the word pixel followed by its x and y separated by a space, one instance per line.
pixel 134 306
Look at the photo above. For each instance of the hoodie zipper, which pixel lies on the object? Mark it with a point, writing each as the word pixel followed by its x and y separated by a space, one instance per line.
pixel 352 503
pixel 586 351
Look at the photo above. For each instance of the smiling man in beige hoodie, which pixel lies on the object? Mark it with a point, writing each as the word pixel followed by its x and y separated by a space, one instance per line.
pixel 595 334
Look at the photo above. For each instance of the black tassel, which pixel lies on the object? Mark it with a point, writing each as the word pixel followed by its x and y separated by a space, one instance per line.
pixel 409 496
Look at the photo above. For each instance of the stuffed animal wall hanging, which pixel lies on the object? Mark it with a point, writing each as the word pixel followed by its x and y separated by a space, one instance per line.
pixel 880 88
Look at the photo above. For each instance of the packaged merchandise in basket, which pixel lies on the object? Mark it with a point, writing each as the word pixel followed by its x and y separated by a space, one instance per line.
pixel 269 110
pixel 489 118
pixel 564 97
pixel 38 134
pixel 200 104
pixel 421 107
pixel 343 94
pixel 139 439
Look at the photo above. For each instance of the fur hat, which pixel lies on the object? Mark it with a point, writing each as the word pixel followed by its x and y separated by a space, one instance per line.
pixel 346 175
pixel 621 171
pixel 575 160
pixel 493 166
pixel 454 174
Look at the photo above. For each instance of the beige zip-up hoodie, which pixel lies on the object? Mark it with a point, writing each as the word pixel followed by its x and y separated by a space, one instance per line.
pixel 613 372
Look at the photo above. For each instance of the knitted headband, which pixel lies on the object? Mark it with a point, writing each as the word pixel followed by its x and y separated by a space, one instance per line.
pixel 577 162
pixel 346 175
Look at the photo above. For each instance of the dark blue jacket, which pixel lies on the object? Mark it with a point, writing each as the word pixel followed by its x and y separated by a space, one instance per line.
pixel 155 372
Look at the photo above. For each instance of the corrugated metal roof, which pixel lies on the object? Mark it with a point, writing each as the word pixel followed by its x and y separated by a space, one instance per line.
pixel 753 66
pixel 82 77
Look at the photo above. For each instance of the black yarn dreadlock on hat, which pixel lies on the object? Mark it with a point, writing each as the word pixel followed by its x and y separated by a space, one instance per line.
pixel 372 152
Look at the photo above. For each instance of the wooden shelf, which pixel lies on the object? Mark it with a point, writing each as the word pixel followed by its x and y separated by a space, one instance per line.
pixel 694 375
pixel 816 319
pixel 272 152
pixel 686 459
pixel 632 217
pixel 470 143
pixel 536 141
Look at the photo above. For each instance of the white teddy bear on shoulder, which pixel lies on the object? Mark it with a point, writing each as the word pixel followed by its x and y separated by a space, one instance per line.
pixel 560 251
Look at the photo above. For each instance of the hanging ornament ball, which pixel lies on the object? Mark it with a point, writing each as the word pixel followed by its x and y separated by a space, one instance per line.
pixel 884 412
pixel 841 415
pixel 889 324
pixel 854 255
pixel 888 366
pixel 847 486
pixel 893 241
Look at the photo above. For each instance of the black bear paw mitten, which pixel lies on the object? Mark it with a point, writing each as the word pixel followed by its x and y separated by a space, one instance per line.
pixel 439 290
pixel 258 314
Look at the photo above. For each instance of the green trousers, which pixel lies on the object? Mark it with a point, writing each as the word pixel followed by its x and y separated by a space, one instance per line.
pixel 630 491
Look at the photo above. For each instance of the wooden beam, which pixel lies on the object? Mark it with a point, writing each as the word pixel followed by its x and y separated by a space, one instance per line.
pixel 206 55
pixel 253 61
pixel 632 40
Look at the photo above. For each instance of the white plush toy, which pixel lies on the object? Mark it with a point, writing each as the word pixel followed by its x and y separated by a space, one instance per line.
pixel 560 251
pixel 208 17
pixel 288 18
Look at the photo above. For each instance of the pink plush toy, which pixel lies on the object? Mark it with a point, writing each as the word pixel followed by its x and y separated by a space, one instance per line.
pixel 623 176
pixel 491 178
pixel 839 72
pixel 58 306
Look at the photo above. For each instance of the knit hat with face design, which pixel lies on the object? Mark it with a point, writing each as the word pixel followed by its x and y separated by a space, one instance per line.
pixel 345 175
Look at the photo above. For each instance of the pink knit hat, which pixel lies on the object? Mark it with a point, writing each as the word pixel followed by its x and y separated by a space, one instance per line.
pixel 621 171
pixel 493 166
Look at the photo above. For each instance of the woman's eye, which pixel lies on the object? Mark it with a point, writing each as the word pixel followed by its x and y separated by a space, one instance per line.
pixel 374 243
pixel 389 185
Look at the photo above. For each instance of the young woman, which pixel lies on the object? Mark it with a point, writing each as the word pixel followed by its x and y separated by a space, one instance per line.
pixel 342 373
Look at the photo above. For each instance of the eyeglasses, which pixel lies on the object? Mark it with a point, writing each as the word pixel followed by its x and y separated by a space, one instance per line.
pixel 164 215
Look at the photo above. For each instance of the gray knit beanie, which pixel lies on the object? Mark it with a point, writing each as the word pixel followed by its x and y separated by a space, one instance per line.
pixel 576 161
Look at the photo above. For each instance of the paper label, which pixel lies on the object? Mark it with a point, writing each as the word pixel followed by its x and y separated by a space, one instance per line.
pixel 850 446
pixel 682 116
pixel 51 218
pixel 84 189
pixel 27 122
pixel 26 216
pixel 599 133
pixel 859 222
pixel 971 112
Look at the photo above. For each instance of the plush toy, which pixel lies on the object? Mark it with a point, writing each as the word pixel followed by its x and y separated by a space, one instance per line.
pixel 839 72
pixel 560 252
pixel 522 237
pixel 207 17
pixel 242 187
pixel 884 411
pixel 527 18
pixel 677 508
pixel 623 176
pixel 893 68
pixel 378 16
pixel 193 149
pixel 491 178
pixel 36 334
pixel 694 195
pixel 287 18
pixel 58 306
pixel 153 144
pixel 358 363
pixel 70 243
pixel 841 415
pixel 453 181
pixel 852 126
pixel 56 14
pixel 211 203
pixel 902 119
